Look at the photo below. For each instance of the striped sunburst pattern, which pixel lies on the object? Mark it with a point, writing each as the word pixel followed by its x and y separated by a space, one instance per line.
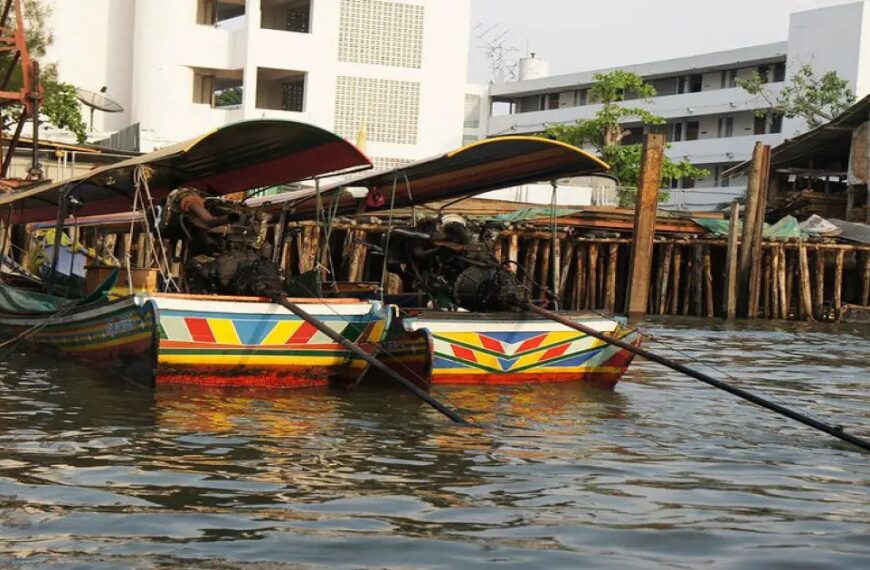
pixel 225 338
pixel 489 351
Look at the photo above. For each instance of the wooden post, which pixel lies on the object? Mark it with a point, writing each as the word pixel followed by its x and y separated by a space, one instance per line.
pixel 731 264
pixel 708 282
pixel 640 264
pixel 805 294
pixel 819 282
pixel 544 276
pixel 766 301
pixel 612 268
pixel 687 286
pixel 758 229
pixel 665 278
pixel 865 288
pixel 781 282
pixel 531 264
pixel 514 250
pixel 592 282
pixel 675 284
pixel 698 279
pixel 774 283
pixel 838 285
pixel 566 262
pixel 753 191
pixel 556 264
pixel 789 264
pixel 580 280
pixel 357 257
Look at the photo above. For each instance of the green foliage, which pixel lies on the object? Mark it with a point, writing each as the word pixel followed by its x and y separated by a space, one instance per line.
pixel 228 97
pixel 61 108
pixel 815 99
pixel 605 132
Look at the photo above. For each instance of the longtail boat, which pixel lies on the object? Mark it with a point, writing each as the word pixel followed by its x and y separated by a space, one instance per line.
pixel 163 338
pixel 484 342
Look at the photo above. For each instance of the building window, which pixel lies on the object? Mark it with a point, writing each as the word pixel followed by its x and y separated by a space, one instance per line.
pixel 293 95
pixel 389 109
pixel 764 73
pixel 692 130
pixel 688 183
pixel 726 127
pixel 217 87
pixel 634 136
pixel 551 101
pixel 760 126
pixel 678 132
pixel 581 97
pixel 381 33
pixel 284 15
pixel 212 12
pixel 280 89
pixel 779 72
pixel 692 84
pixel 729 78
pixel 775 123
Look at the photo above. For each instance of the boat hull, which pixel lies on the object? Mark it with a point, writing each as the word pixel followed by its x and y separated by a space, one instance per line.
pixel 119 338
pixel 247 342
pixel 512 348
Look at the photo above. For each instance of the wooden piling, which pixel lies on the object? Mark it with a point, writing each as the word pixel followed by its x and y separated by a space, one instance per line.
pixel 753 193
pixel 544 276
pixel 664 278
pixel 531 263
pixel 865 287
pixel 580 281
pixel 644 225
pixel 805 293
pixel 838 285
pixel 757 235
pixel 592 285
pixel 708 282
pixel 731 258
pixel 698 279
pixel 675 284
pixel 819 285
pixel 514 250
pixel 610 287
pixel 565 269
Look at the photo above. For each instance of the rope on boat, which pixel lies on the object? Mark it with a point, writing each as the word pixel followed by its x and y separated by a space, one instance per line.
pixel 13 342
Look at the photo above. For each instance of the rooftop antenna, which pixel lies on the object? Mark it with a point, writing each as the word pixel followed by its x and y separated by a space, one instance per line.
pixel 97 102
pixel 498 52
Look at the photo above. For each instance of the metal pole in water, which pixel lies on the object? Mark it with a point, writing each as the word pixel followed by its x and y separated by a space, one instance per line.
pixel 835 431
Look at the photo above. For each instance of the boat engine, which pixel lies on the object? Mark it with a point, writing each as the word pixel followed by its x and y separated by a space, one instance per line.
pixel 454 266
pixel 225 251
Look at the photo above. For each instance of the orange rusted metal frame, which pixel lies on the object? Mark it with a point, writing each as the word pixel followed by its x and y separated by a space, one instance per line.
pixel 13 41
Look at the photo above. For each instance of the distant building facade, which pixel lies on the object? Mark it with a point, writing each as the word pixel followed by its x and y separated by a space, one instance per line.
pixel 711 122
pixel 379 70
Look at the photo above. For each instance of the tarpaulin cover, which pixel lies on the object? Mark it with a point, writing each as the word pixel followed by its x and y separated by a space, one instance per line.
pixel 18 301
pixel 786 228
pixel 528 214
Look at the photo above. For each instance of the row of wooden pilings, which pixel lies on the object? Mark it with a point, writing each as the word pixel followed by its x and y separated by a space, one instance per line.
pixel 797 279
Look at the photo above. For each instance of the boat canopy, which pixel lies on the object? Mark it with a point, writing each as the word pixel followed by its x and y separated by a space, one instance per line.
pixel 490 164
pixel 233 158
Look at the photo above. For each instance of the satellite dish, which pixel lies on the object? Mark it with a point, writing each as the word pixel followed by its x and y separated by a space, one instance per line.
pixel 97 102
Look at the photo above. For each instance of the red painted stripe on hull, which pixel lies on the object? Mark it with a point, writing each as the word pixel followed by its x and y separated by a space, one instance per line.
pixel 225 377
pixel 602 379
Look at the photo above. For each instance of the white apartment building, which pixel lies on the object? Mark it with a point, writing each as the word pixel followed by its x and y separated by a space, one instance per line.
pixel 393 70
pixel 711 122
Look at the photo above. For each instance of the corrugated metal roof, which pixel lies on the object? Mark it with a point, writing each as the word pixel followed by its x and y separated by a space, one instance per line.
pixel 852 231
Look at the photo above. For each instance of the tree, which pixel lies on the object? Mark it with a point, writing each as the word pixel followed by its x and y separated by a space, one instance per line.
pixel 228 97
pixel 816 100
pixel 606 132
pixel 60 107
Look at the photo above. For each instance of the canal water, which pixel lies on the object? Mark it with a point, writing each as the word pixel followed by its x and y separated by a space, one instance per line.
pixel 663 472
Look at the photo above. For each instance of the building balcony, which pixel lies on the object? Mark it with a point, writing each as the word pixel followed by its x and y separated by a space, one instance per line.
pixel 719 150
pixel 703 103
